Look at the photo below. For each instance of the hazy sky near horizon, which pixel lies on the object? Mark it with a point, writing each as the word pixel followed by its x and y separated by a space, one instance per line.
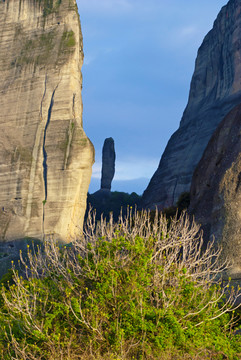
pixel 139 60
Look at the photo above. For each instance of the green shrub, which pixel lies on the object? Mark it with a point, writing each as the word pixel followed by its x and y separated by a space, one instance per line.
pixel 68 40
pixel 7 279
pixel 136 289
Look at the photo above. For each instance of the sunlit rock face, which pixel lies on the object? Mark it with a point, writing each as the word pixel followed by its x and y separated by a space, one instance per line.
pixel 45 156
pixel 215 90
pixel 216 190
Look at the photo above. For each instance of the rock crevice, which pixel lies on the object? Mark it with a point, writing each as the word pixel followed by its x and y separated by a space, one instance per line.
pixel 45 155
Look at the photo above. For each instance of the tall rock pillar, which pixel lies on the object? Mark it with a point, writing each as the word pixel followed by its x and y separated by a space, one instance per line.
pixel 108 164
pixel 45 156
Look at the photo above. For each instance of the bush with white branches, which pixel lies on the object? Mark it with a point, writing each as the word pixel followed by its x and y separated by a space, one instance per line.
pixel 135 289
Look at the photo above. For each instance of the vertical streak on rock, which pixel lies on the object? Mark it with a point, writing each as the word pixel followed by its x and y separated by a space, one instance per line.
pixel 70 133
pixel 73 108
pixel 41 105
pixel 34 160
pixel 174 191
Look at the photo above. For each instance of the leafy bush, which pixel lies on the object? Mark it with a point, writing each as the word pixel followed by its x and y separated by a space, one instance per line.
pixel 68 39
pixel 7 279
pixel 135 289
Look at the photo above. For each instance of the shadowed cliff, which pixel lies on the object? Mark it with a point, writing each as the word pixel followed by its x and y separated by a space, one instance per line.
pixel 215 90
pixel 216 189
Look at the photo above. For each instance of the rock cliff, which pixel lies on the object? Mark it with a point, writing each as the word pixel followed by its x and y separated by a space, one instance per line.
pixel 216 189
pixel 45 156
pixel 215 90
pixel 108 164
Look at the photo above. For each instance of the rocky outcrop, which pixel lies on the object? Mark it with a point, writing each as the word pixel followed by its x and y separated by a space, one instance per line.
pixel 215 90
pixel 45 156
pixel 216 189
pixel 108 164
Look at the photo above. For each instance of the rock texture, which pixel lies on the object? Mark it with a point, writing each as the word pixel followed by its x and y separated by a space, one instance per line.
pixel 45 156
pixel 215 90
pixel 216 189
pixel 108 164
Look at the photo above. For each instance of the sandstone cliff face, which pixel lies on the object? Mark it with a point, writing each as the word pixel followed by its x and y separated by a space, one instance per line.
pixel 45 156
pixel 216 189
pixel 215 90
pixel 108 164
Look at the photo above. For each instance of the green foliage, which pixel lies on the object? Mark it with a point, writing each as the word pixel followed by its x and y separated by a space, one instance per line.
pixel 36 50
pixel 131 290
pixel 49 6
pixel 68 40
pixel 7 279
pixel 46 48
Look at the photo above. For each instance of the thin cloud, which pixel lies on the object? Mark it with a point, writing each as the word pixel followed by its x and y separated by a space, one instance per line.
pixel 187 32
pixel 105 6
pixel 182 35
pixel 96 170
pixel 99 53
pixel 88 59
pixel 129 169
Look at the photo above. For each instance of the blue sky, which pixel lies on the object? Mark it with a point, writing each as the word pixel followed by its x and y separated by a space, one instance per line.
pixel 139 60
